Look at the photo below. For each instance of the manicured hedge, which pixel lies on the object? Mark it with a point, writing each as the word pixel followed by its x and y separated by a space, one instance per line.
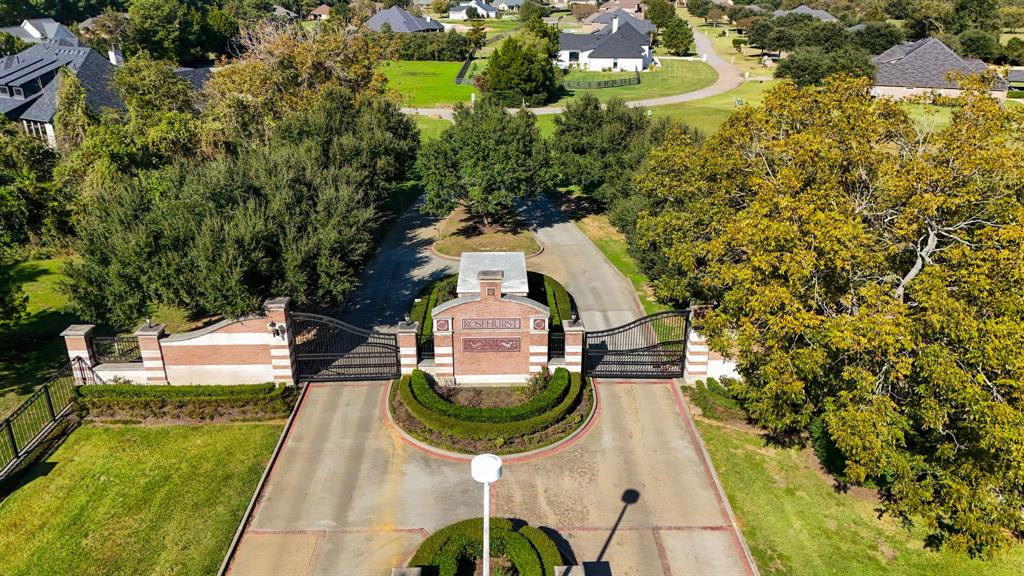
pixel 488 430
pixel 528 549
pixel 552 393
pixel 164 391
pixel 190 402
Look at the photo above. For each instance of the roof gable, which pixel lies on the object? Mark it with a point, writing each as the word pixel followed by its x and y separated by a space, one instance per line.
pixel 923 64
pixel 399 20
pixel 627 42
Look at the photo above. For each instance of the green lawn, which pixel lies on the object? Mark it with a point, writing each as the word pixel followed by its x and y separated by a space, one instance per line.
pixel 796 524
pixel 430 128
pixel 135 500
pixel 673 77
pixel 422 84
pixel 458 233
pixel 707 114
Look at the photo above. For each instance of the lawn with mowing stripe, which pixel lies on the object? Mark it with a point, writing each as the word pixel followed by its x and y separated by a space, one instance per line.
pixel 707 114
pixel 796 524
pixel 672 77
pixel 430 128
pixel 423 84
pixel 132 500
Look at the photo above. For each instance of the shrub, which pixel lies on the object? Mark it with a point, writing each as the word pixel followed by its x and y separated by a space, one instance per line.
pixel 825 449
pixel 715 401
pixel 190 402
pixel 528 549
pixel 550 395
pixel 455 426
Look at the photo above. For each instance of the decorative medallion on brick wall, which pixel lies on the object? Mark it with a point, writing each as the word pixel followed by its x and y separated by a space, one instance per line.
pixel 443 325
pixel 539 324
pixel 490 345
pixel 490 323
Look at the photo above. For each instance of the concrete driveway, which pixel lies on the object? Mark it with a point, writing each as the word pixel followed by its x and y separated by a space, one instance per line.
pixel 349 497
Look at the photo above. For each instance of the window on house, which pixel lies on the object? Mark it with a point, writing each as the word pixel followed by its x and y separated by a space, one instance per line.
pixel 615 64
pixel 35 129
pixel 5 92
pixel 18 92
pixel 574 56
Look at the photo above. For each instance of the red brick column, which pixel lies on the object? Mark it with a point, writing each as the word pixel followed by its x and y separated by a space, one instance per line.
pixel 408 354
pixel 575 334
pixel 77 338
pixel 538 342
pixel 152 354
pixel 697 352
pixel 444 348
pixel 282 343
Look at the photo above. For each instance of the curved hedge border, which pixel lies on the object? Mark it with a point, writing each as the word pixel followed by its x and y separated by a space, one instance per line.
pixel 527 548
pixel 553 393
pixel 489 430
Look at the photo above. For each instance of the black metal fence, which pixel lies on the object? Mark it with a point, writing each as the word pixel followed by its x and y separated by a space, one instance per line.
pixel 116 349
pixel 556 344
pixel 591 84
pixel 425 345
pixel 20 430
pixel 327 349
pixel 462 77
pixel 651 347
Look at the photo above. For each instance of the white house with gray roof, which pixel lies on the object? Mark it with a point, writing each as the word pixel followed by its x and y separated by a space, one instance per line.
pixel 483 10
pixel 924 67
pixel 39 30
pixel 397 19
pixel 616 47
pixel 29 82
pixel 602 21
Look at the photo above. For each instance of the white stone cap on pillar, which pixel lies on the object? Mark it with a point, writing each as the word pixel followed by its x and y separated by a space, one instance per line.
pixel 569 325
pixel 78 330
pixel 150 330
pixel 408 327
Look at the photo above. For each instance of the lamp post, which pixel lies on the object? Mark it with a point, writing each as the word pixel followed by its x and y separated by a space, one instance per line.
pixel 486 468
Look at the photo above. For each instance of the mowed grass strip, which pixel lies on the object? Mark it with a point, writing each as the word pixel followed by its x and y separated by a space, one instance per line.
pixel 796 524
pixel 613 245
pixel 672 77
pixel 423 84
pixel 131 500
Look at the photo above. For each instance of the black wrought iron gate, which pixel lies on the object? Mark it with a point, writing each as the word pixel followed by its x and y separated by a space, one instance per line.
pixel 327 349
pixel 651 347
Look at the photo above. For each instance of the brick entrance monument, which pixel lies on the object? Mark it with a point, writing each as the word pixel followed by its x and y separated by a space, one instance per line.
pixel 491 333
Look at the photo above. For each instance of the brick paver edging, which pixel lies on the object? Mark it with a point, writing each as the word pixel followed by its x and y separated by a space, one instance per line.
pixel 578 434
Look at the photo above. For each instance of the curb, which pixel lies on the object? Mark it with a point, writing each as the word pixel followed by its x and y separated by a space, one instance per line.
pixel 512 458
pixel 458 258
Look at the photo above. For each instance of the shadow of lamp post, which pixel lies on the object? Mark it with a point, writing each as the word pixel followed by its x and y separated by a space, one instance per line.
pixel 630 496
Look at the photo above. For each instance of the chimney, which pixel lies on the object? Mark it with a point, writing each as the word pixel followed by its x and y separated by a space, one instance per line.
pixel 615 24
pixel 490 283
pixel 115 57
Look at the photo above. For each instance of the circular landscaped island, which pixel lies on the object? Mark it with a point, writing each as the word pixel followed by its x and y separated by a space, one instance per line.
pixel 500 419
pixel 516 549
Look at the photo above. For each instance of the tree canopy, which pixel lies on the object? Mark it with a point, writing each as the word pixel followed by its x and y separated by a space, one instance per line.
pixel 486 161
pixel 520 71
pixel 867 274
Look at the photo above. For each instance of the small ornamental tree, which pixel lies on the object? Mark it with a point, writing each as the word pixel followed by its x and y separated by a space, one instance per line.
pixel 486 161
pixel 811 65
pixel 678 37
pixel 520 72
pixel 699 7
pixel 877 37
pixel 660 12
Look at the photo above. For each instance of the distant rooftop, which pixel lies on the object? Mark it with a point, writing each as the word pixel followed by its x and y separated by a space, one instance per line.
pixel 39 30
pixel 804 9
pixel 924 64
pixel 399 20
pixel 511 264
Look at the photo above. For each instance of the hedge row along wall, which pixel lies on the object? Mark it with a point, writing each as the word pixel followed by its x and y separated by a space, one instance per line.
pixel 437 414
pixel 190 402
pixel 529 549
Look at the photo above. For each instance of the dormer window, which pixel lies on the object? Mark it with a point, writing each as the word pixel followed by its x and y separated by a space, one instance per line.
pixel 18 92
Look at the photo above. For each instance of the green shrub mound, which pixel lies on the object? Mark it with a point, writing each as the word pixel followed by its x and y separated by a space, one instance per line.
pixel 516 426
pixel 138 401
pixel 528 549
pixel 552 393
pixel 715 400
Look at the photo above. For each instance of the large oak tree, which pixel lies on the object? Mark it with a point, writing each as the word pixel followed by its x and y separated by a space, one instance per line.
pixel 867 273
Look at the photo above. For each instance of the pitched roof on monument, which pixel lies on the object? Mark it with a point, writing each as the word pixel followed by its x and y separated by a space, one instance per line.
pixel 512 265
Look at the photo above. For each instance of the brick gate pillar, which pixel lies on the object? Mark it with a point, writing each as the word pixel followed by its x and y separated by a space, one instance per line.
pixel 575 334
pixel 539 333
pixel 78 339
pixel 444 348
pixel 697 353
pixel 408 355
pixel 149 336
pixel 282 357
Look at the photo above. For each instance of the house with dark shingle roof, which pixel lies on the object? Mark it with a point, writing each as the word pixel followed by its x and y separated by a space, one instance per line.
pixel 808 11
pixel 603 21
pixel 924 67
pixel 39 30
pixel 1015 77
pixel 616 47
pixel 483 10
pixel 399 20
pixel 29 82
